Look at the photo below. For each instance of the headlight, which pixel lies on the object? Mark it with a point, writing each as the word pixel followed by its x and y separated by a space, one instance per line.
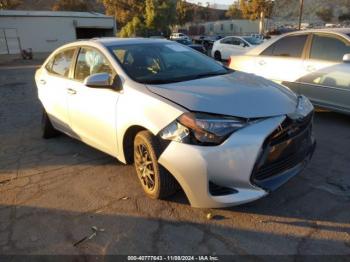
pixel 202 129
pixel 303 109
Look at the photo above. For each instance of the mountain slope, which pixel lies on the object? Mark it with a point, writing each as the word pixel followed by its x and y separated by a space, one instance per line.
pixel 289 9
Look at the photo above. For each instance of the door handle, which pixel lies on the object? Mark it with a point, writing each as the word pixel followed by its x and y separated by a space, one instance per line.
pixel 71 91
pixel 262 62
pixel 42 81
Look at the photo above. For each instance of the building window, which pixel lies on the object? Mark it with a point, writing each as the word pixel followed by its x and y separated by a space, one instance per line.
pixel 222 27
pixel 231 26
pixel 211 27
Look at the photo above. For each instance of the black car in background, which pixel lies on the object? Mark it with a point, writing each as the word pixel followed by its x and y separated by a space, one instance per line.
pixel 188 43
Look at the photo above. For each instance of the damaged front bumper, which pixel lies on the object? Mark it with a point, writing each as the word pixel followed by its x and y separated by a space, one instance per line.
pixel 226 175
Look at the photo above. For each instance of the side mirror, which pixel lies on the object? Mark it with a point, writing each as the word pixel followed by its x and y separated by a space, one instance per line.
pixel 103 80
pixel 346 58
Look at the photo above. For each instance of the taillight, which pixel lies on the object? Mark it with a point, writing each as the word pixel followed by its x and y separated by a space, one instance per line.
pixel 229 61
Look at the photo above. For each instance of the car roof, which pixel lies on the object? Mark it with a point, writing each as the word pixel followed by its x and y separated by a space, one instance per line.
pixel 337 31
pixel 328 30
pixel 114 41
pixel 111 41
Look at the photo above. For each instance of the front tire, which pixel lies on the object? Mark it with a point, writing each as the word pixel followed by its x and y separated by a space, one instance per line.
pixel 156 181
pixel 47 129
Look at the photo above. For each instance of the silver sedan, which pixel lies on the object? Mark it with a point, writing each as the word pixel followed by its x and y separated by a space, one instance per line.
pixel 183 119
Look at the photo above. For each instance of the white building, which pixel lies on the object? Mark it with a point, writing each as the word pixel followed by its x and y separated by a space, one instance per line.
pixel 43 31
pixel 224 27
pixel 231 27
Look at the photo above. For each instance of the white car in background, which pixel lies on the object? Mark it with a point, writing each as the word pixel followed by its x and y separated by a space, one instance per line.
pixel 179 36
pixel 314 63
pixel 233 45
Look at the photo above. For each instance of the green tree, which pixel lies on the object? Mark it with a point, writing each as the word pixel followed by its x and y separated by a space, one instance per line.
pixel 9 4
pixel 251 9
pixel 142 17
pixel 325 14
pixel 184 12
pixel 71 5
pixel 124 10
pixel 234 11
pixel 150 13
pixel 133 28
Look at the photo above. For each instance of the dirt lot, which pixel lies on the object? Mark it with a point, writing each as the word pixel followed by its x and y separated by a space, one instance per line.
pixel 53 191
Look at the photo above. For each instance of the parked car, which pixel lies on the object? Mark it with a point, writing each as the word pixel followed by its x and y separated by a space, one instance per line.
pixel 177 36
pixel 223 136
pixel 233 45
pixel 315 63
pixel 207 41
pixel 157 37
pixel 196 47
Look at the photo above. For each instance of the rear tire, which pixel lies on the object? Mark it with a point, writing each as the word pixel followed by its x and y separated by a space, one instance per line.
pixel 217 56
pixel 156 181
pixel 47 129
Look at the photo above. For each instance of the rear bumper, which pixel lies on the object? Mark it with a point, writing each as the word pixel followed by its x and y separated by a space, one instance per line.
pixel 230 165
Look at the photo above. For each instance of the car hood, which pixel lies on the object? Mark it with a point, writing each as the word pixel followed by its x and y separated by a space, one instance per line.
pixel 236 94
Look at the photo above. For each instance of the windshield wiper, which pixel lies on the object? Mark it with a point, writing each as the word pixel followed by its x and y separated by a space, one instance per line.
pixel 184 78
pixel 209 74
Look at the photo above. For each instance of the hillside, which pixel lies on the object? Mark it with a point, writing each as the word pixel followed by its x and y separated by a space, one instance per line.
pixel 285 10
pixel 289 9
pixel 47 5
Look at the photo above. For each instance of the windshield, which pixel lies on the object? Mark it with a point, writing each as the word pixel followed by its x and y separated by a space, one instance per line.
pixel 252 40
pixel 160 63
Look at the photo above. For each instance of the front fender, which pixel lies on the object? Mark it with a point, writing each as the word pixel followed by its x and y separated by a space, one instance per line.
pixel 137 106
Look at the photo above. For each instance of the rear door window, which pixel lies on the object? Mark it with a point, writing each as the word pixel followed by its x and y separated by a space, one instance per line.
pixel 328 48
pixel 289 46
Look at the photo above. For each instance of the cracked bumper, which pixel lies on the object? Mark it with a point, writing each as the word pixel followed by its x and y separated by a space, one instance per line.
pixel 230 165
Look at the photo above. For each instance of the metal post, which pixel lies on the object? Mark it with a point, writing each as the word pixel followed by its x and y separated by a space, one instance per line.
pixel 301 13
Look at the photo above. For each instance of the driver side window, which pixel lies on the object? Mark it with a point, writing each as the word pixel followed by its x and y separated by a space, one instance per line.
pixel 89 62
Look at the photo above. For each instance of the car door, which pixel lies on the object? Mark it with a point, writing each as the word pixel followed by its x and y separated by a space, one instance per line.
pixel 92 111
pixel 283 60
pixel 236 47
pixel 327 78
pixel 224 47
pixel 52 88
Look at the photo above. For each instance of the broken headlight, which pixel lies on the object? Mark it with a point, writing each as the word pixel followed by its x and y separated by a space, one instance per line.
pixel 202 129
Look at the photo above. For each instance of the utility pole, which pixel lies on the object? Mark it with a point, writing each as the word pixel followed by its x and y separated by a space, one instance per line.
pixel 262 23
pixel 301 13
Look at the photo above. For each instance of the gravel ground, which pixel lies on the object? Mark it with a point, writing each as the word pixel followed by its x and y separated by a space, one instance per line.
pixel 53 191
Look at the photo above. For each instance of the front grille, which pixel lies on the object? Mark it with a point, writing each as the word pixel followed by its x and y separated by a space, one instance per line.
pixel 284 149
pixel 216 190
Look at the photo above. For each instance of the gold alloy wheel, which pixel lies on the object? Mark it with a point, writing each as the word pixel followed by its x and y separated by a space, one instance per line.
pixel 145 167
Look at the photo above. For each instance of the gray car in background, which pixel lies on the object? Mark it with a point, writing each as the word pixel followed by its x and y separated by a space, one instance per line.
pixel 315 63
